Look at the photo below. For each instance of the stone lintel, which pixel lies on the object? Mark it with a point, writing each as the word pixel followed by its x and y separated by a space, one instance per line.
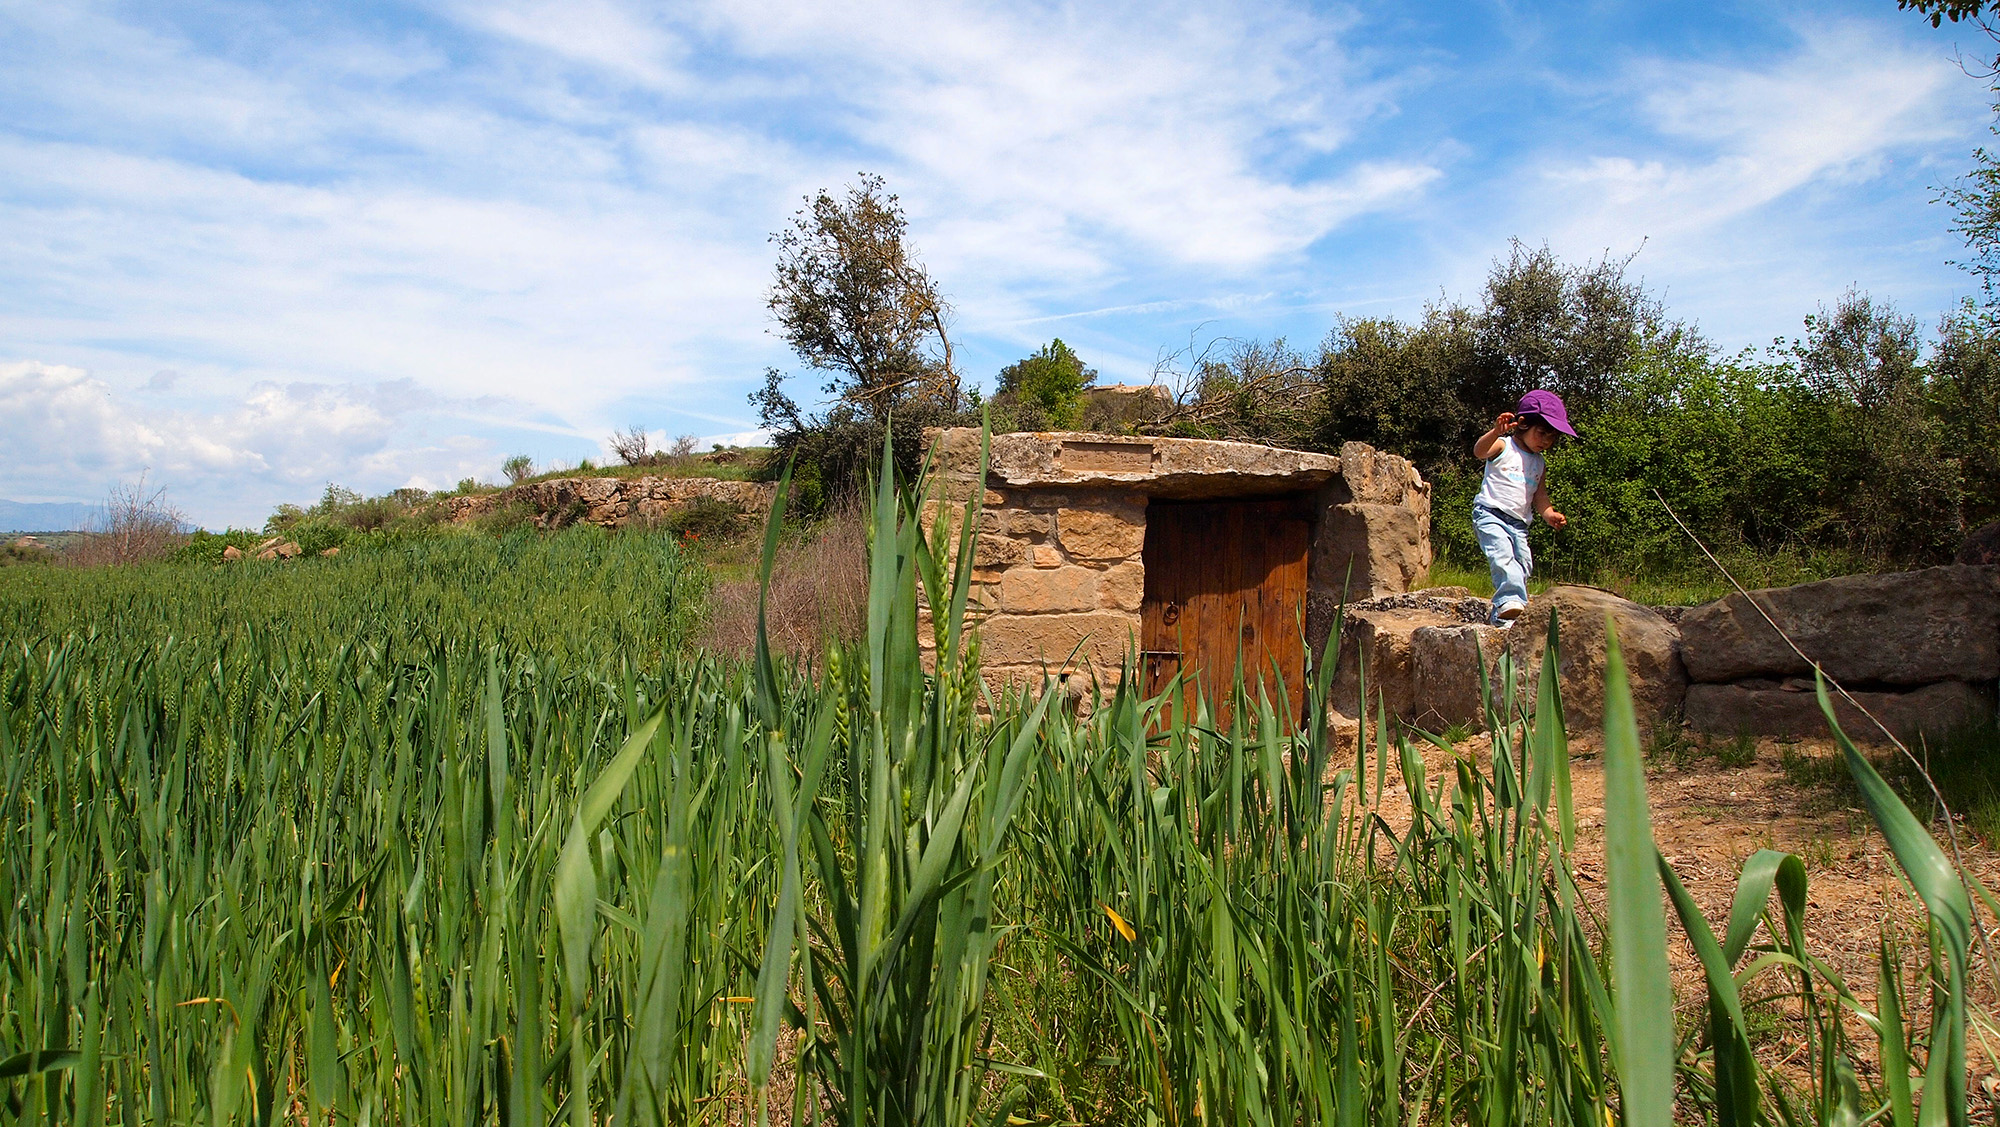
pixel 1168 468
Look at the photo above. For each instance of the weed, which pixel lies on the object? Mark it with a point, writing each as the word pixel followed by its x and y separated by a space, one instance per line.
pixel 703 519
pixel 1964 763
pixel 1669 745
pixel 1813 772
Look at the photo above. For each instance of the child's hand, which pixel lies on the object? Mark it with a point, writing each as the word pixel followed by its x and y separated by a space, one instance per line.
pixel 1555 519
pixel 1507 423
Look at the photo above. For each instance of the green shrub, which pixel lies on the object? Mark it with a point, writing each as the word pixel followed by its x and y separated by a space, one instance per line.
pixel 1046 389
pixel 17 552
pixel 205 547
pixel 704 518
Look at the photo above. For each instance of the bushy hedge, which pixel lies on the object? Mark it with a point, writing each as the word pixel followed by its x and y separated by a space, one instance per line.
pixel 1854 446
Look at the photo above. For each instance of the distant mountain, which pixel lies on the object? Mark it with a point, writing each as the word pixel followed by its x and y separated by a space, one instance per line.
pixel 46 516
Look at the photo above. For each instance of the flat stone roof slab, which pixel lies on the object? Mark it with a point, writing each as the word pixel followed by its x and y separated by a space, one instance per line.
pixel 1167 468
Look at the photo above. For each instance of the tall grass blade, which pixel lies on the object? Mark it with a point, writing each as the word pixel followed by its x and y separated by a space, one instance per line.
pixel 1937 883
pixel 1642 1029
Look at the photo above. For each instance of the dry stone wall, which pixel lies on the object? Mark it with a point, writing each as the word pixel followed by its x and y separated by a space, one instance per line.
pixel 612 502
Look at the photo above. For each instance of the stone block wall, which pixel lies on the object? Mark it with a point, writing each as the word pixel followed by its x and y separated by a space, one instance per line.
pixel 1058 572
pixel 1919 650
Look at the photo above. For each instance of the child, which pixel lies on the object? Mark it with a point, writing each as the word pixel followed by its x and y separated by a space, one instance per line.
pixel 1514 491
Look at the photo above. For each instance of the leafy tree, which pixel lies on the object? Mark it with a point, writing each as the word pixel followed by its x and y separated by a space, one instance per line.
pixel 1901 489
pixel 1941 10
pixel 518 468
pixel 854 302
pixel 1861 353
pixel 1964 391
pixel 1975 199
pixel 1426 390
pixel 1402 387
pixel 1047 387
pixel 1568 328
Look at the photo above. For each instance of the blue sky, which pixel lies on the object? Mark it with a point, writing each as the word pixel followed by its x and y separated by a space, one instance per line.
pixel 250 249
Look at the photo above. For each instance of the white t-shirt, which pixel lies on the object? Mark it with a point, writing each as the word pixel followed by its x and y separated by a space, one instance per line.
pixel 1512 476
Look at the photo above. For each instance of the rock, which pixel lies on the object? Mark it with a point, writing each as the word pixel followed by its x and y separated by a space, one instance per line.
pixel 1650 643
pixel 1122 587
pixel 1100 639
pixel 1418 648
pixel 329 552
pixel 1373 477
pixel 1114 406
pixel 1982 546
pixel 1904 628
pixel 1770 708
pixel 1179 468
pixel 232 552
pixel 1375 647
pixel 1037 590
pixel 1373 549
pixel 1375 530
pixel 1447 660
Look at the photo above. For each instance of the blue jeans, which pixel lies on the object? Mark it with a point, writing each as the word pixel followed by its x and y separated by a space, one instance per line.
pixel 1506 546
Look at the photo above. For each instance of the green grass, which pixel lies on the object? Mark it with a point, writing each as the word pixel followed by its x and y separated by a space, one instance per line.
pixel 1690 587
pixel 465 832
pixel 583 599
pixel 1965 766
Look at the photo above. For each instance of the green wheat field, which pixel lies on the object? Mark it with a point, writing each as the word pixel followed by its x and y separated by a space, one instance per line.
pixel 469 831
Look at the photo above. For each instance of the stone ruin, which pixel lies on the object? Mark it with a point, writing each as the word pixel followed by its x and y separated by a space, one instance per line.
pixel 1071 545
pixel 1068 580
pixel 613 502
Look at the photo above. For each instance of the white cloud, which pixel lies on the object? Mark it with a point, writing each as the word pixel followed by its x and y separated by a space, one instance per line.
pixel 1046 141
pixel 69 435
pixel 1738 140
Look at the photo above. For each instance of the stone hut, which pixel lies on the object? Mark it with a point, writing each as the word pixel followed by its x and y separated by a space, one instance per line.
pixel 1184 552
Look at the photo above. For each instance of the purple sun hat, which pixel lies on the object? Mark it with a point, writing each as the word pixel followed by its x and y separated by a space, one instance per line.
pixel 1548 407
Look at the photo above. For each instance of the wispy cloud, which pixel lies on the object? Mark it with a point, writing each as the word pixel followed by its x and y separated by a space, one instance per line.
pixel 230 233
pixel 1835 109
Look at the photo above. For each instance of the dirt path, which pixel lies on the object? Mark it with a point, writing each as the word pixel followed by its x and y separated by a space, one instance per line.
pixel 1710 814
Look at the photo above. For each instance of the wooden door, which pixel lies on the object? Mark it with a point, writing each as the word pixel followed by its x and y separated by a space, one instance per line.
pixel 1223 578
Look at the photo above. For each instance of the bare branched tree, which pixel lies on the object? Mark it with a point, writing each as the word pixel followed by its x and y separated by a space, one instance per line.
pixel 1225 387
pixel 631 445
pixel 138 525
